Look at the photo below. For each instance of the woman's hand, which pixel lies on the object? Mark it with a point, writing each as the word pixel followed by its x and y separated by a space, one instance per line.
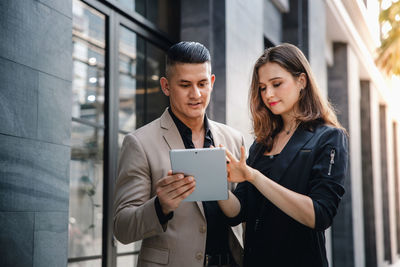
pixel 238 171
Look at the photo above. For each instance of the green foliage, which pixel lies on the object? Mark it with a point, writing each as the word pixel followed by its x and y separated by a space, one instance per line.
pixel 389 51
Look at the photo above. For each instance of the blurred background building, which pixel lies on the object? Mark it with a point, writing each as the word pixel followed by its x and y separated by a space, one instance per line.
pixel 77 75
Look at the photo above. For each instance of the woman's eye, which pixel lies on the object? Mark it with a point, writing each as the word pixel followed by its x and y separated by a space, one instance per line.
pixel 276 84
pixel 262 88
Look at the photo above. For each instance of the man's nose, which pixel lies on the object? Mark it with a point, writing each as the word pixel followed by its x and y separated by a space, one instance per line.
pixel 195 92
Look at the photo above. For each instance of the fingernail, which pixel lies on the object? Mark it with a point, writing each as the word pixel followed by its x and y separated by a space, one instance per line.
pixel 180 176
pixel 190 178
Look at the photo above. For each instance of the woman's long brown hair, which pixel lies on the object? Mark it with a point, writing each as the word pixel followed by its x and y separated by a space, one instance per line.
pixel 312 109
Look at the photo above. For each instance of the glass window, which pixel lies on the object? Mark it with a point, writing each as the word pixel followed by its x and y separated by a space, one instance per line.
pixel 86 191
pixel 156 101
pixel 130 260
pixel 88 38
pixel 140 100
pixel 163 13
pixel 131 80
pixel 141 65
pixel 87 135
pixel 127 260
pixel 91 263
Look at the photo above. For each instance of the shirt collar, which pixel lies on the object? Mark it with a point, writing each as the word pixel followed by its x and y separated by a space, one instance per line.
pixel 182 127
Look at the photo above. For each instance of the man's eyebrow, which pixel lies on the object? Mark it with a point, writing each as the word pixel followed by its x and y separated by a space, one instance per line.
pixel 184 81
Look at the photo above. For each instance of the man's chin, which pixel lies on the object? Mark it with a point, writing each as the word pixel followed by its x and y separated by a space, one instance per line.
pixel 195 113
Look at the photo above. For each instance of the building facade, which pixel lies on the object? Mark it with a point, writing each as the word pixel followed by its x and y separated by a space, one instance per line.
pixel 77 75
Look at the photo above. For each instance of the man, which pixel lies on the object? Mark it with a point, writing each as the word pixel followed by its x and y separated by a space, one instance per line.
pixel 148 197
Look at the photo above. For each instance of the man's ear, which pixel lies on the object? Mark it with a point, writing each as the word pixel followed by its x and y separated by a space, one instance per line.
pixel 164 85
pixel 212 81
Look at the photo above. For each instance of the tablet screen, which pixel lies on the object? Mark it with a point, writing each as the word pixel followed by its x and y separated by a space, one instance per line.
pixel 207 166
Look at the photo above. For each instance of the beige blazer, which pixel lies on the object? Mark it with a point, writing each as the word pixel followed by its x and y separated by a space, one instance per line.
pixel 144 159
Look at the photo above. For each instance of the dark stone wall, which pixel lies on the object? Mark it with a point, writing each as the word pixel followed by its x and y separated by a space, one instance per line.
pixel 35 119
pixel 295 25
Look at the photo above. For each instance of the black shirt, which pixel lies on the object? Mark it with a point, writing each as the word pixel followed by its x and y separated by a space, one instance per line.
pixel 217 227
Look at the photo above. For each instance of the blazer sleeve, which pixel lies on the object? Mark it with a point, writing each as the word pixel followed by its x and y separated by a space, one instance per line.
pixel 327 177
pixel 135 216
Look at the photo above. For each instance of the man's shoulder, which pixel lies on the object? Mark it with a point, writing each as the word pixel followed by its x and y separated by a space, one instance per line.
pixel 150 129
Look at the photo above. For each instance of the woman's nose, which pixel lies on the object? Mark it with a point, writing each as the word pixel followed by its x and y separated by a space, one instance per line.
pixel 268 92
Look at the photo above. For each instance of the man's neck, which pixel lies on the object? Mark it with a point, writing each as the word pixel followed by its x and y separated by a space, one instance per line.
pixel 196 125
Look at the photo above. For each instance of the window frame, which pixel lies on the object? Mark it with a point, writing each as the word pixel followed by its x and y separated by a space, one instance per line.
pixel 115 16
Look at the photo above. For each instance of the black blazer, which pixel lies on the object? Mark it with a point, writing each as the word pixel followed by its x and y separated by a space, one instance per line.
pixel 313 163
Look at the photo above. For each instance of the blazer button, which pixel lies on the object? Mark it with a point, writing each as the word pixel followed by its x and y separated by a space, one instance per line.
pixel 203 229
pixel 199 256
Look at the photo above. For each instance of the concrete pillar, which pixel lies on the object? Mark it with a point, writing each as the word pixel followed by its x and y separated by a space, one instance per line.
pixel 243 47
pixel 344 93
pixel 368 178
pixel 387 182
pixel 35 119
pixel 396 177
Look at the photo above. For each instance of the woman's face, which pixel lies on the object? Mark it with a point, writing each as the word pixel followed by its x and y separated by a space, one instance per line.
pixel 279 90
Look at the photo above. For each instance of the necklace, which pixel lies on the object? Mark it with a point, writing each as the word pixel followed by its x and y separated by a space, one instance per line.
pixel 291 128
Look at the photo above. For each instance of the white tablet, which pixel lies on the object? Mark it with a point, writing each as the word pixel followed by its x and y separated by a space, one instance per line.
pixel 207 166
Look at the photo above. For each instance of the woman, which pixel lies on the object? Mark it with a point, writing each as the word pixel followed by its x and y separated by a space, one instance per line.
pixel 290 188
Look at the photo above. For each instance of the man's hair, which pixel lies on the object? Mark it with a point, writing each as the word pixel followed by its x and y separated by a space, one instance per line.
pixel 186 52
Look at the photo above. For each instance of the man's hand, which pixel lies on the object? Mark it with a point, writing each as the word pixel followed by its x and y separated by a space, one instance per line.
pixel 172 189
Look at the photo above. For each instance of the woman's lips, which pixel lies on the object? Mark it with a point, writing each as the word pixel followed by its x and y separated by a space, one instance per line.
pixel 273 103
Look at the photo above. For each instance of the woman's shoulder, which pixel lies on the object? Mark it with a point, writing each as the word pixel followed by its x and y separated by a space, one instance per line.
pixel 328 134
pixel 327 130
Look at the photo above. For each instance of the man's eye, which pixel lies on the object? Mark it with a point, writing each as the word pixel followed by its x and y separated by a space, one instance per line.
pixel 202 84
pixel 185 85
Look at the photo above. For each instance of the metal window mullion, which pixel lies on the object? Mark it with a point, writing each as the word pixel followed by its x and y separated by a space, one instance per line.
pixel 145 84
pixel 110 140
pixel 137 18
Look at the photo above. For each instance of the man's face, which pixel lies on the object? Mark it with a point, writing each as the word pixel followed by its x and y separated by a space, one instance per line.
pixel 189 87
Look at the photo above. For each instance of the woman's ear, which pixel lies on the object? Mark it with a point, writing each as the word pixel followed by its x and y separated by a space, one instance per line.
pixel 164 85
pixel 302 80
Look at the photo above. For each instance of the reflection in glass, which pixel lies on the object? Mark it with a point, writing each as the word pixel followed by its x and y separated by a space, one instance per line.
pixel 163 13
pixel 131 80
pixel 88 38
pixel 86 191
pixel 92 263
pixel 135 246
pixel 134 5
pixel 123 261
pixel 156 100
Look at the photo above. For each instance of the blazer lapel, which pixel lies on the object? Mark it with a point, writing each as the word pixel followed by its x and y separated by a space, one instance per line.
pixel 289 152
pixel 218 137
pixel 171 134
pixel 173 139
